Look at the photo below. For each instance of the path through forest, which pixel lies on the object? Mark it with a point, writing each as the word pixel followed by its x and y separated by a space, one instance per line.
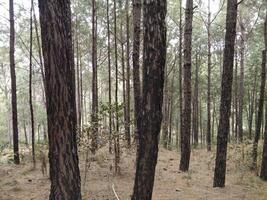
pixel 21 182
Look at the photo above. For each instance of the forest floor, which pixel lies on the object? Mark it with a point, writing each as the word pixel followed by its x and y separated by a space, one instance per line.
pixel 23 183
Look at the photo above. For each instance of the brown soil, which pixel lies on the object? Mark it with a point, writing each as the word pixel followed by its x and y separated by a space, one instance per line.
pixel 23 183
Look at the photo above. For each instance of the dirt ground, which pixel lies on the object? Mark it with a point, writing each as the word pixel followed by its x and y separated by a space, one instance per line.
pixel 23 183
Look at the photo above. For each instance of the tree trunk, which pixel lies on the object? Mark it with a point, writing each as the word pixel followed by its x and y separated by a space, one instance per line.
pixel 263 173
pixel 94 80
pixel 195 106
pixel 209 83
pixel 241 83
pixel 109 82
pixel 226 93
pixel 180 70
pixel 116 138
pixel 13 84
pixel 186 117
pixel 30 90
pixel 127 98
pixel 154 57
pixel 136 68
pixel 60 90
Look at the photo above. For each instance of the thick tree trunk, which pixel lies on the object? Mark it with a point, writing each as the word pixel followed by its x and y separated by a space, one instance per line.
pixel 136 68
pixel 226 93
pixel 154 57
pixel 13 84
pixel 260 112
pixel 186 117
pixel 60 90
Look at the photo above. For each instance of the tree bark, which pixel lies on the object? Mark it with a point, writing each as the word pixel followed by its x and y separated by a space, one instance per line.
pixel 30 90
pixel 263 173
pixel 109 81
pixel 154 58
pixel 55 19
pixel 186 117
pixel 195 105
pixel 94 80
pixel 116 138
pixel 13 84
pixel 136 68
pixel 226 93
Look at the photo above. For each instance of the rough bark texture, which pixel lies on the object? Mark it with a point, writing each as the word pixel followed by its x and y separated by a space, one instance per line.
pixel 260 112
pixel 180 71
pixel 226 93
pixel 136 67
pixel 94 80
pixel 154 57
pixel 55 19
pixel 13 84
pixel 186 117
pixel 263 173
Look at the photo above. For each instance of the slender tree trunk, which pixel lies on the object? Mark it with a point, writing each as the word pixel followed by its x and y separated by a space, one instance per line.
pixel 241 83
pixel 165 111
pixel 116 139
pixel 195 106
pixel 209 83
pixel 154 57
pixel 236 96
pixel 252 102
pixel 127 118
pixel 109 81
pixel 180 70
pixel 94 80
pixel 13 84
pixel 226 93
pixel 61 106
pixel 186 117
pixel 30 90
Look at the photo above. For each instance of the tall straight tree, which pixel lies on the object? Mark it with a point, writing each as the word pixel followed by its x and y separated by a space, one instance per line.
pixel 30 87
pixel 94 80
pixel 226 93
pixel 117 138
pixel 263 173
pixel 109 81
pixel 180 70
pixel 127 98
pixel 55 19
pixel 186 116
pixel 13 83
pixel 136 66
pixel 154 58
